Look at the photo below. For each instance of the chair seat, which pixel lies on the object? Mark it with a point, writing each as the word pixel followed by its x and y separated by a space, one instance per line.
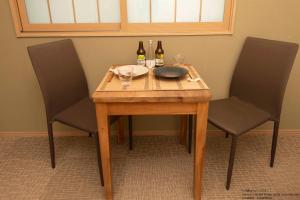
pixel 81 115
pixel 236 116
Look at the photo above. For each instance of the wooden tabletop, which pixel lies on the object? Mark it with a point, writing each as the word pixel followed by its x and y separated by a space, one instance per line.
pixel 148 88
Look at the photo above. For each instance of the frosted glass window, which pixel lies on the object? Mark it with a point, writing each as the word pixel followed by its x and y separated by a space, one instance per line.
pixel 138 11
pixel 62 11
pixel 86 11
pixel 109 11
pixel 37 11
pixel 213 10
pixel 188 11
pixel 163 11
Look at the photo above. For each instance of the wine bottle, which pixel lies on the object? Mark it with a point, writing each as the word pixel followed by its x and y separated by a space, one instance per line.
pixel 141 59
pixel 159 55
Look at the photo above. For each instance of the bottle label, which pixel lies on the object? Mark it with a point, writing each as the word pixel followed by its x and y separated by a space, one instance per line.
pixel 159 59
pixel 141 60
pixel 141 57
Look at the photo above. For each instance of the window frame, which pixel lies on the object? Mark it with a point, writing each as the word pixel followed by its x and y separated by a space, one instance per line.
pixel 25 29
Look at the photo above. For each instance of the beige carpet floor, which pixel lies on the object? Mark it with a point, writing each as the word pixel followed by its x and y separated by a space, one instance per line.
pixel 157 168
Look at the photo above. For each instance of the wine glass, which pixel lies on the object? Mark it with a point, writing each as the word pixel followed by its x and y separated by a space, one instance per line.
pixel 125 74
pixel 178 59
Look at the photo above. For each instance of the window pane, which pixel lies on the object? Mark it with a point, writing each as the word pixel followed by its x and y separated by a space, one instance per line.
pixel 188 11
pixel 109 11
pixel 212 10
pixel 86 11
pixel 62 11
pixel 37 11
pixel 138 11
pixel 163 11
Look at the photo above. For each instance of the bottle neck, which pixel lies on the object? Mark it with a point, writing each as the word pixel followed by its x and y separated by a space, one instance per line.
pixel 159 46
pixel 141 46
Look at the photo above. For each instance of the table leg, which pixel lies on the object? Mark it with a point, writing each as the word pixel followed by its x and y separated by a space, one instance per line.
pixel 183 129
pixel 200 139
pixel 103 130
pixel 120 134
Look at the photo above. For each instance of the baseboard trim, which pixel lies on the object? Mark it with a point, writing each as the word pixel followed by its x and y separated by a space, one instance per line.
pixel 143 133
pixel 43 133
pixel 215 132
pixel 261 132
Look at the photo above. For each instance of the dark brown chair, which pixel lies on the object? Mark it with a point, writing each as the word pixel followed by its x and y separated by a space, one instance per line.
pixel 256 92
pixel 65 90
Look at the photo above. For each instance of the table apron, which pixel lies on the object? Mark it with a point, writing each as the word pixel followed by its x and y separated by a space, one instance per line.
pixel 158 108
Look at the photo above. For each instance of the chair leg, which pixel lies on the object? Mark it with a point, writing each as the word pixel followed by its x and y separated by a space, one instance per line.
pixel 120 132
pixel 231 160
pixel 274 143
pixel 99 159
pixel 51 144
pixel 130 131
pixel 183 129
pixel 226 135
pixel 190 133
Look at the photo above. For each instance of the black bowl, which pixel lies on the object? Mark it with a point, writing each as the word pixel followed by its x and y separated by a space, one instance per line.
pixel 170 72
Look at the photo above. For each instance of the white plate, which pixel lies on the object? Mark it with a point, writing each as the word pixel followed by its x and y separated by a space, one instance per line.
pixel 138 70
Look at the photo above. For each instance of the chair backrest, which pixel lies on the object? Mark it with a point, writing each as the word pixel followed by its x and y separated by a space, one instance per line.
pixel 262 72
pixel 60 75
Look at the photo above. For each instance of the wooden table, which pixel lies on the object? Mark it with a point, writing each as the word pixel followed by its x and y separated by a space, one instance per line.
pixel 149 95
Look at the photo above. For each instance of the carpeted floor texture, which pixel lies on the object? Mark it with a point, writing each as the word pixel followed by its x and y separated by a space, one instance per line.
pixel 157 168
